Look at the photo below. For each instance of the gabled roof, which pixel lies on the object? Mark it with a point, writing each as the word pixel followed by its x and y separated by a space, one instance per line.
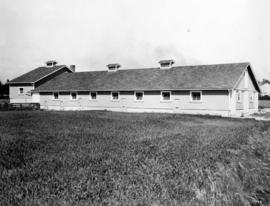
pixel 201 77
pixel 36 74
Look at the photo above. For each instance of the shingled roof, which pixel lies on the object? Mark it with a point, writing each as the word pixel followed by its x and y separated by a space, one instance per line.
pixel 202 77
pixel 36 74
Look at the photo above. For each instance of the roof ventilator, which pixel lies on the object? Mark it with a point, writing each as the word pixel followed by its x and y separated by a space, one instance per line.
pixel 51 63
pixel 113 67
pixel 166 64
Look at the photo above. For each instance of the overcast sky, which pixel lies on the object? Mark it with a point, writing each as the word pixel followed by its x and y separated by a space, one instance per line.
pixel 134 33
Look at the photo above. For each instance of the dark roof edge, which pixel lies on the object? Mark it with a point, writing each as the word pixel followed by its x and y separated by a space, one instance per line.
pixel 20 82
pixel 106 90
pixel 253 77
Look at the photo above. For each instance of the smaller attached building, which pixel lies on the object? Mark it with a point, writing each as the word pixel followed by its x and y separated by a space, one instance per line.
pixel 20 88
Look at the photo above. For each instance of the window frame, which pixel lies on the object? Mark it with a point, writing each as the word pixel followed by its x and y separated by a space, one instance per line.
pixel 57 95
pixel 165 100
pixel 76 96
pixel 135 97
pixel 19 91
pixel 90 96
pixel 116 100
pixel 191 97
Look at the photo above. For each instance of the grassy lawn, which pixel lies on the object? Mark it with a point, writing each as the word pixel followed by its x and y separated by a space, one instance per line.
pixel 109 158
pixel 3 104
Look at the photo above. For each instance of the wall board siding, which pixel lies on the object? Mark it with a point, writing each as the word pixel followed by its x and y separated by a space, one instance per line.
pixel 180 100
pixel 15 97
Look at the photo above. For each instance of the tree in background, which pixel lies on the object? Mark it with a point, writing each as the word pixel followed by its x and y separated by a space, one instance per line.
pixel 4 90
pixel 1 90
pixel 264 97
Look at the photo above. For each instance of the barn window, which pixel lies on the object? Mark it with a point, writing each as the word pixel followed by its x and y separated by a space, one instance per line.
pixel 139 96
pixel 93 95
pixel 20 90
pixel 73 95
pixel 115 95
pixel 196 95
pixel 55 95
pixel 165 96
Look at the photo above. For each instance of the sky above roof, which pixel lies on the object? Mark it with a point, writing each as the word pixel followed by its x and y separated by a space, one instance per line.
pixel 134 33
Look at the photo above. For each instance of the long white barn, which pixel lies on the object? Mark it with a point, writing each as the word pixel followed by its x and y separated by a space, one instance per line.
pixel 221 89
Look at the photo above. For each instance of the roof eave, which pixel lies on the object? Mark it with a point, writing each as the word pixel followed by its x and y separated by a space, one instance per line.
pixel 20 82
pixel 239 79
pixel 104 90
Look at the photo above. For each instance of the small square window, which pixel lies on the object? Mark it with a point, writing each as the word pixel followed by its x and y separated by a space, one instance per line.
pixel 139 96
pixel 55 96
pixel 196 96
pixel 73 96
pixel 20 90
pixel 93 95
pixel 115 95
pixel 166 96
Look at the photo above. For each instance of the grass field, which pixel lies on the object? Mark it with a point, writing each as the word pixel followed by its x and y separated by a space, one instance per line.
pixel 109 158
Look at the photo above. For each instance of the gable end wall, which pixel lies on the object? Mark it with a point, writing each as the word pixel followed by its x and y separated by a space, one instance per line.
pixel 14 95
pixel 247 89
